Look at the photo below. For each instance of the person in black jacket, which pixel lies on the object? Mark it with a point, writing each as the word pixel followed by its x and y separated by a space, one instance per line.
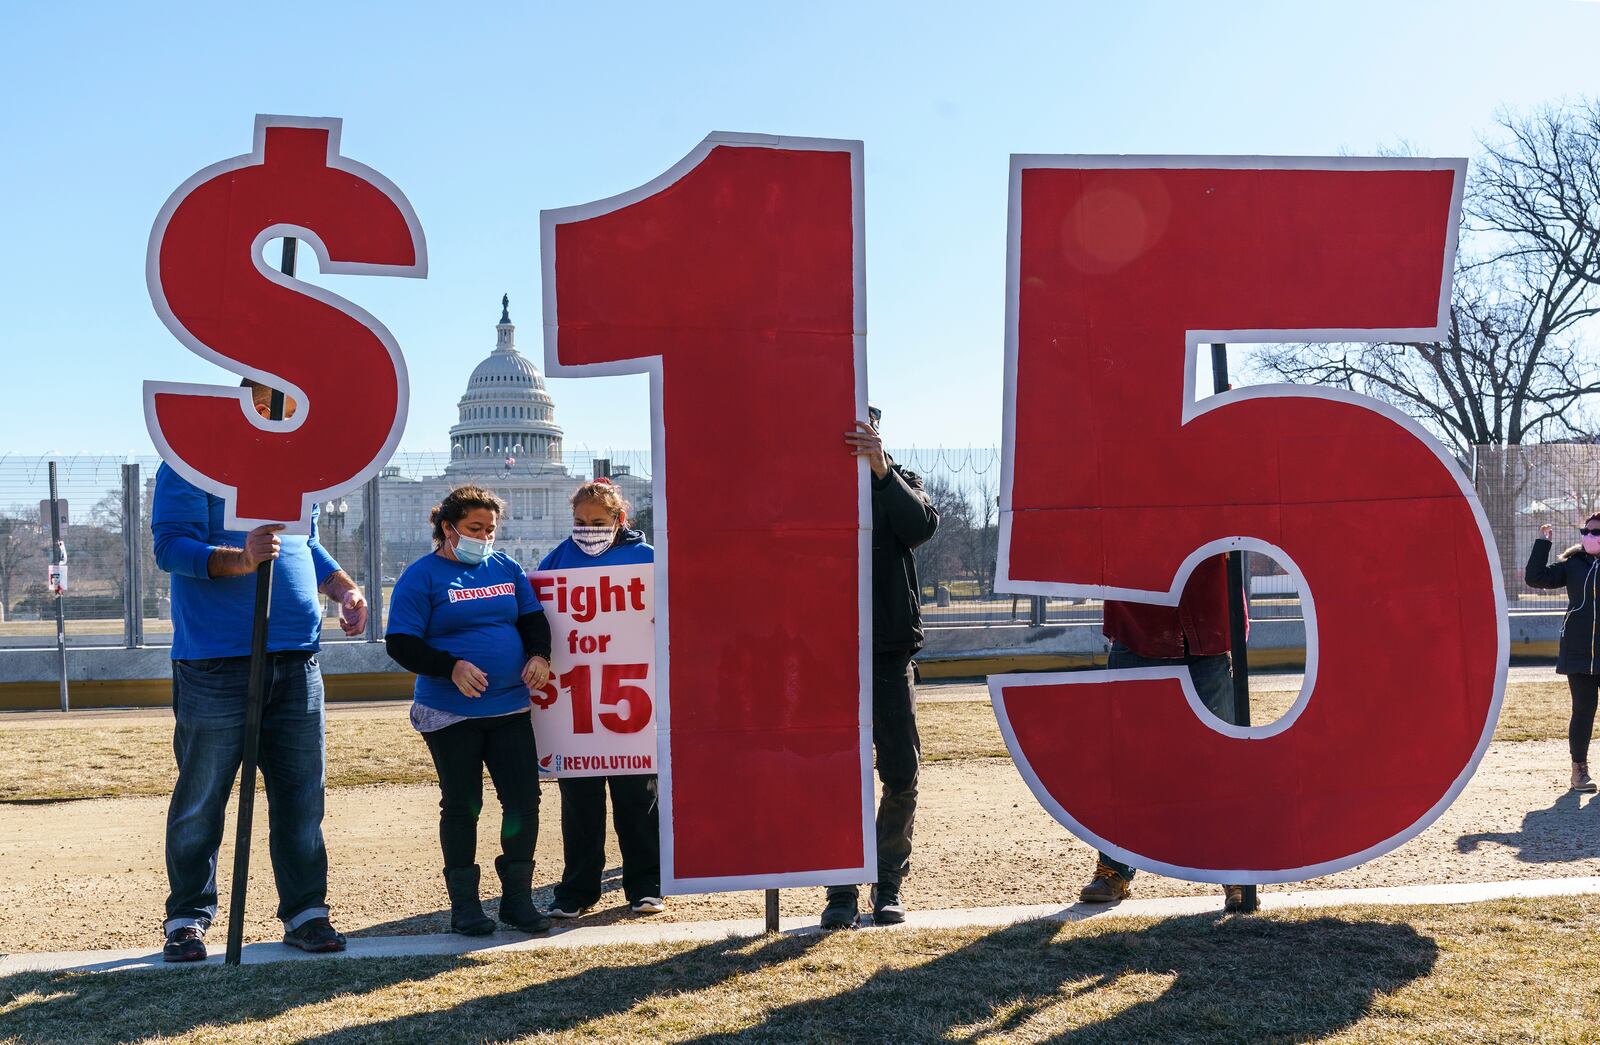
pixel 1578 570
pixel 902 518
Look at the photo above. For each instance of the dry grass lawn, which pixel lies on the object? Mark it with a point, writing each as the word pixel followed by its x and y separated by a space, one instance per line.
pixel 106 757
pixel 1508 971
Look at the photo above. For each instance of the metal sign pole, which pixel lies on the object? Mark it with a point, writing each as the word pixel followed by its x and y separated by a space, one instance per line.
pixel 374 552
pixel 256 701
pixel 772 910
pixel 1238 611
pixel 58 558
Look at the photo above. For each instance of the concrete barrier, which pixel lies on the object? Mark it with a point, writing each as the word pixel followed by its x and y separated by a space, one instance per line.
pixel 117 677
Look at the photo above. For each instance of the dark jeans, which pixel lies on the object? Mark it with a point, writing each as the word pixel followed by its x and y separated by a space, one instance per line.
pixel 899 752
pixel 461 752
pixel 1213 683
pixel 1585 689
pixel 208 706
pixel 583 837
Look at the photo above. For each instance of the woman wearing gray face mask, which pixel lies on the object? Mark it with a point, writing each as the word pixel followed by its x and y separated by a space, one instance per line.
pixel 466 621
pixel 601 537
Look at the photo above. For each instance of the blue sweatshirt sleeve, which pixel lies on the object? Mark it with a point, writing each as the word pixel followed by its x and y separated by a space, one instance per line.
pixel 325 564
pixel 180 526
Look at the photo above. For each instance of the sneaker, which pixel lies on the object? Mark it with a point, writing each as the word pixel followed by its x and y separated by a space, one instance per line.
pixel 1581 781
pixel 185 944
pixel 317 936
pixel 886 906
pixel 841 912
pixel 560 910
pixel 649 905
pixel 1107 886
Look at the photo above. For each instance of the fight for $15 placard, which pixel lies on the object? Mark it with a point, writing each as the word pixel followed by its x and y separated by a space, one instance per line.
pixel 596 715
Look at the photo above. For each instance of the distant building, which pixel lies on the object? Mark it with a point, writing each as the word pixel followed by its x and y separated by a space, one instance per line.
pixel 506 440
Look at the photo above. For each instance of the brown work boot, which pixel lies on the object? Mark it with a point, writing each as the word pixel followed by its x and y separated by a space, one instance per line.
pixel 1107 886
pixel 1233 898
pixel 1581 781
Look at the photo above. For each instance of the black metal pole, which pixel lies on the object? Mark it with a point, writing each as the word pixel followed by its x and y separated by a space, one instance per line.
pixel 1238 610
pixel 256 702
pixel 772 910
pixel 58 558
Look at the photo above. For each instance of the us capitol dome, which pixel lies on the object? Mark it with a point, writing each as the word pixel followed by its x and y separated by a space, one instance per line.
pixel 506 440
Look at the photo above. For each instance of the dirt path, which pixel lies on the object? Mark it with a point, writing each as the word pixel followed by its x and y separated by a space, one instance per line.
pixel 90 874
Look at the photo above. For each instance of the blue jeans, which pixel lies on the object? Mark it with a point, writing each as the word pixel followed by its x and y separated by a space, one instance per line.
pixel 208 703
pixel 1213 684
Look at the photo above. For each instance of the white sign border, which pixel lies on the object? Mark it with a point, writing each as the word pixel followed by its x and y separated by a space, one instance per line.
pixel 1191 409
pixel 549 221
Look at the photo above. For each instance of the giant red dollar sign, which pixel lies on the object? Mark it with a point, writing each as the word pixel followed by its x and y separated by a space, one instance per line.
pixel 216 293
pixel 1117 484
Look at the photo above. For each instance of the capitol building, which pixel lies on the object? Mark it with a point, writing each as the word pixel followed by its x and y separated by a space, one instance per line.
pixel 506 440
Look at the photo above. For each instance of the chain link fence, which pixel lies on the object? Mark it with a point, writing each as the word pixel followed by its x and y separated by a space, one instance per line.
pixel 116 594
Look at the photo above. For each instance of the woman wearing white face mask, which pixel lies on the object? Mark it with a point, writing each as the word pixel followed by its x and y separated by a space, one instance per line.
pixel 1578 570
pixel 601 537
pixel 466 621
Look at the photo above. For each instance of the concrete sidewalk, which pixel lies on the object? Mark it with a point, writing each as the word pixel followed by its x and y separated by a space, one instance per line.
pixel 580 935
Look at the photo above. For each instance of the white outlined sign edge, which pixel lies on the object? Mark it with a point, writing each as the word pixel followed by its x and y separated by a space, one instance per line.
pixel 1191 409
pixel 549 220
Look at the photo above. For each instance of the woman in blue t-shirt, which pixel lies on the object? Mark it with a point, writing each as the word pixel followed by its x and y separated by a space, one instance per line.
pixel 466 621
pixel 601 537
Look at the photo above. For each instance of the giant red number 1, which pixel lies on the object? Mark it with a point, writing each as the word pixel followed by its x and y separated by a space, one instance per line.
pixel 1117 483
pixel 734 280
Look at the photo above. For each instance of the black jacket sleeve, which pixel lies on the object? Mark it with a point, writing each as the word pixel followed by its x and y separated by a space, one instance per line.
pixel 911 516
pixel 535 631
pixel 417 657
pixel 1541 572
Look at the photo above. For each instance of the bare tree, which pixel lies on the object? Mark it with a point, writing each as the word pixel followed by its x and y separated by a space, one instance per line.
pixel 1511 368
pixel 21 557
pixel 943 558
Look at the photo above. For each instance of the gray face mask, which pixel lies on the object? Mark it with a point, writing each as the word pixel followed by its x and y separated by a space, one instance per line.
pixel 471 550
pixel 592 540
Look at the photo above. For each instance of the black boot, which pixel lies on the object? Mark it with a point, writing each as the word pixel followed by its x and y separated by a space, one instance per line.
pixel 841 912
pixel 466 910
pixel 516 896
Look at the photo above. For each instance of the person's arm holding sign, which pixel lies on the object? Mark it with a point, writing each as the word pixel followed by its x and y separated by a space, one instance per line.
pixel 910 515
pixel 534 629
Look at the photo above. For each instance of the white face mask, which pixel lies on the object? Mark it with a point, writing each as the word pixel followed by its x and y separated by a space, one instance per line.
pixel 471 550
pixel 592 540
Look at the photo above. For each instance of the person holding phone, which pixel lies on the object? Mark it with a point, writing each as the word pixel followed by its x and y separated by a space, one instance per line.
pixel 1578 570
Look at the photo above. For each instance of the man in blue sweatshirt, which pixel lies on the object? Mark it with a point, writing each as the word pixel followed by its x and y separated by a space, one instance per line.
pixel 213 605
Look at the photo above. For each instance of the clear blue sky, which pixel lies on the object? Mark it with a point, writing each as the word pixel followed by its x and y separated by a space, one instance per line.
pixel 484 114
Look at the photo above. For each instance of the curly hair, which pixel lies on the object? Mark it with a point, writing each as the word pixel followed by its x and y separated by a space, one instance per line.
pixel 457 503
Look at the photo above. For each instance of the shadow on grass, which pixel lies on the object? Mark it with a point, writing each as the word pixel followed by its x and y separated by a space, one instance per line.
pixel 132 1006
pixel 1227 979
pixel 1568 830
pixel 1195 979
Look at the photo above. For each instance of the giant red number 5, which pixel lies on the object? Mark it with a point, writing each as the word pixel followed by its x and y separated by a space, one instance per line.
pixel 734 281
pixel 1117 483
